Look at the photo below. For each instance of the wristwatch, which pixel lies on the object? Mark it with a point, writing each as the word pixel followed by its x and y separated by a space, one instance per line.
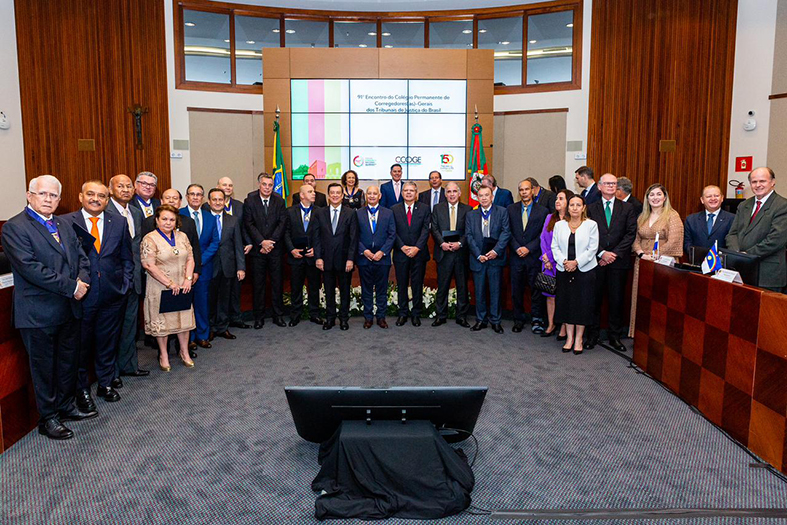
pixel 190 278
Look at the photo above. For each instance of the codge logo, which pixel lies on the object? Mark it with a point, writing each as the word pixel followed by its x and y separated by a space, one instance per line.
pixel 358 161
pixel 408 159
pixel 446 159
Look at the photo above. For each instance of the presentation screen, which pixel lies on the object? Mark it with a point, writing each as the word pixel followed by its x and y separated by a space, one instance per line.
pixel 368 125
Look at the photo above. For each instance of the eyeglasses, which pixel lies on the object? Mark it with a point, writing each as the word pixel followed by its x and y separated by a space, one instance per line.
pixel 146 184
pixel 45 195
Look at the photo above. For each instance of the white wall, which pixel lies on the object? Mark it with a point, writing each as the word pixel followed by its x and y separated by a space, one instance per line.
pixel 754 47
pixel 12 155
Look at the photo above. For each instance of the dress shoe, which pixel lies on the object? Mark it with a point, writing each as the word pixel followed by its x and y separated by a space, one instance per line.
pixel 498 328
pixel 367 323
pixel 561 338
pixel 116 383
pixel 259 324
pixel 77 415
pixel 109 394
pixel 344 325
pixel 566 349
pixel 278 321
pixel 590 343
pixel 85 401
pixel 327 325
pixel 537 328
pixel 203 343
pixel 478 327
pixel 615 343
pixel 226 335
pixel 401 321
pixel 548 334
pixel 136 373
pixel 211 335
pixel 438 322
pixel 463 323
pixel 294 322
pixel 189 363
pixel 577 352
pixel 192 354
pixel 54 429
pixel 381 323
pixel 192 345
pixel 416 321
pixel 165 368
pixel 239 324
pixel 316 320
pixel 518 327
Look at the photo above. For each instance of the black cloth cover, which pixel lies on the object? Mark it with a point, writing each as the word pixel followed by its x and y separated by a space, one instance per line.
pixel 389 469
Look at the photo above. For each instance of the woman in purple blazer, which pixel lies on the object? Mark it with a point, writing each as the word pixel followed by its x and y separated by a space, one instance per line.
pixel 548 261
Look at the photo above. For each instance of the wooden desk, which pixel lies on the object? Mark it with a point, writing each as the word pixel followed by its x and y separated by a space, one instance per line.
pixel 721 348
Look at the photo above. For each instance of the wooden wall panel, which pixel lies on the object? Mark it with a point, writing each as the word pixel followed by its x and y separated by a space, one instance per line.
pixel 98 58
pixel 662 70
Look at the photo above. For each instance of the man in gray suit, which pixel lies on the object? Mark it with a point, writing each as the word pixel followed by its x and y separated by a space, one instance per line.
pixel 760 228
pixel 122 191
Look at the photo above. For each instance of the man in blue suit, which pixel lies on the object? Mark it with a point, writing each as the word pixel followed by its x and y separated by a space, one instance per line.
pixel 209 244
pixel 500 196
pixel 585 180
pixel 526 219
pixel 107 243
pixel 712 224
pixel 391 191
pixel 488 233
pixel 376 236
pixel 51 276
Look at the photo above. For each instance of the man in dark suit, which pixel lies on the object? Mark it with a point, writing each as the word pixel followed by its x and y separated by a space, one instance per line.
pixel 319 198
pixel 617 228
pixel 107 243
pixel 585 180
pixel 526 219
pixel 121 190
pixel 302 238
pixel 450 254
pixel 435 194
pixel 542 196
pixel 624 193
pixel 234 207
pixel 338 240
pixel 391 191
pixel 411 252
pixel 760 228
pixel 500 196
pixel 488 233
pixel 145 188
pixel 229 265
pixel 51 276
pixel 376 237
pixel 265 217
pixel 709 226
pixel 209 245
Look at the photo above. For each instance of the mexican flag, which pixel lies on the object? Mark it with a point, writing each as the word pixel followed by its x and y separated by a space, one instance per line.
pixel 476 168
pixel 279 171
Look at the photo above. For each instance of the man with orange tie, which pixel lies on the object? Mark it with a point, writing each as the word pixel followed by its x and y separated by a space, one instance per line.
pixel 106 241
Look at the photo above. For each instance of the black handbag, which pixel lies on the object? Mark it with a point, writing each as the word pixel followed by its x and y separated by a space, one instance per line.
pixel 545 283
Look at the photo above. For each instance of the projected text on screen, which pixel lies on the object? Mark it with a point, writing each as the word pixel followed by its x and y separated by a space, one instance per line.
pixel 368 125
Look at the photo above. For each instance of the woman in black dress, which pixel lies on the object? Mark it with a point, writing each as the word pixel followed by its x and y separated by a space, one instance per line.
pixel 574 247
pixel 353 196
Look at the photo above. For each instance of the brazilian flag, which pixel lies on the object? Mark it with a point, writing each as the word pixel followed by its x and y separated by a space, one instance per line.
pixel 279 171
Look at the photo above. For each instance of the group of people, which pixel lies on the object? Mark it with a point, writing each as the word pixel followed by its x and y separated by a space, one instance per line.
pixel 80 278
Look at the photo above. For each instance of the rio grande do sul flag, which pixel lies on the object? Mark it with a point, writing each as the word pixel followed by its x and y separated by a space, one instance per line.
pixel 476 167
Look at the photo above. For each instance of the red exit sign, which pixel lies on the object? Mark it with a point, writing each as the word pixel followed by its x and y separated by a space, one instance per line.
pixel 743 164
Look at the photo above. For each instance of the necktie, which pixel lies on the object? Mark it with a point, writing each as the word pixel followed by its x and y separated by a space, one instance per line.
pixel 453 217
pixel 710 222
pixel 306 217
pixel 409 215
pixel 485 222
pixel 436 198
pixel 608 212
pixel 524 218
pixel 218 224
pixel 52 228
pixel 127 215
pixel 94 233
pixel 199 225
pixel 265 206
pixel 756 211
pixel 396 190
pixel 335 220
pixel 373 217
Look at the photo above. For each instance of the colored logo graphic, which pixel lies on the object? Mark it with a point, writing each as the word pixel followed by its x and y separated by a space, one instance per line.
pixel 446 159
pixel 410 160
pixel 358 161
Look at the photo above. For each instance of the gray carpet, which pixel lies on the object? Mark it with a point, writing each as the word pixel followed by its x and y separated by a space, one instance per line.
pixel 216 444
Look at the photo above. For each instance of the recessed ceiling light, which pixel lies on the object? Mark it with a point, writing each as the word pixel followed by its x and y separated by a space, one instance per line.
pixel 277 31
pixel 361 45
pixel 570 25
pixel 467 31
pixel 533 41
pixel 226 41
pixel 371 33
pixel 386 34
pixel 289 31
pixel 190 24
pixel 482 30
pixel 504 43
pixel 388 46
pixel 250 42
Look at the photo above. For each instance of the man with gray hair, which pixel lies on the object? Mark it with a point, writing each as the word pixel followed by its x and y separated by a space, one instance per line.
pixel 624 193
pixel 51 276
pixel 144 189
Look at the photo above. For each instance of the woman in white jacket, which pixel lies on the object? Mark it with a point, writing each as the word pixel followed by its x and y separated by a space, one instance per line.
pixel 574 246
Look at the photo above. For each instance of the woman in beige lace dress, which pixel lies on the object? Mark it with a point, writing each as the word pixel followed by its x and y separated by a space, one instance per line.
pixel 657 217
pixel 166 255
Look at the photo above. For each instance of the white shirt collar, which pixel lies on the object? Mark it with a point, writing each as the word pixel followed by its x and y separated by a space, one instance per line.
pixel 87 216
pixel 122 209
pixel 764 198
pixel 587 190
pixel 192 210
pixel 217 214
pixel 486 209
pixel 627 198
pixel 715 213
pixel 147 202
pixel 606 200
pixel 42 216
pixel 337 208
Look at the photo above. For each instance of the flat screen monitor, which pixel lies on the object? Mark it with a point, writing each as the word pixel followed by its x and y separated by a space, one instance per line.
pixel 318 410
pixel 745 264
